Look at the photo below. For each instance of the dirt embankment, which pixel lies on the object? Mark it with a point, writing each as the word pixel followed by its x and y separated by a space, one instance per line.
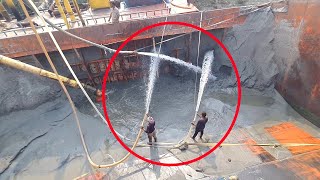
pixel 21 90
pixel 251 46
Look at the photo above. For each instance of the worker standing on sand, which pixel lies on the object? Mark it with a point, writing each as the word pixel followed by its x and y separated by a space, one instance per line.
pixel 168 5
pixel 201 124
pixel 151 130
pixel 98 94
pixel 115 14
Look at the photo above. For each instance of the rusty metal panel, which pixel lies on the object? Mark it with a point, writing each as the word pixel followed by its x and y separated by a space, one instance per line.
pixel 301 84
pixel 112 33
pixel 124 68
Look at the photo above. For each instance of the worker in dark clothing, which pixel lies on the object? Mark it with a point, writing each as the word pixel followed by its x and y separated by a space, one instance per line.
pixel 51 8
pixel 151 130
pixel 98 94
pixel 201 124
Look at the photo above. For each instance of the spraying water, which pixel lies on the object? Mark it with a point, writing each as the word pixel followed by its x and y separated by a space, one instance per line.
pixel 206 68
pixel 177 61
pixel 154 66
pixel 153 70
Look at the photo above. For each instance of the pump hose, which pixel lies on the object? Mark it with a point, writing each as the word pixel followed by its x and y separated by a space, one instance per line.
pixel 72 104
pixel 67 93
pixel 212 144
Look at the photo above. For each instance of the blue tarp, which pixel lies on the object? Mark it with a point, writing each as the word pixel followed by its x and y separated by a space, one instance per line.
pixel 134 3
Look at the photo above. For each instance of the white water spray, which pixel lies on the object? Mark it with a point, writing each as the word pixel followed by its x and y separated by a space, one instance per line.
pixel 206 69
pixel 154 66
pixel 153 71
pixel 177 61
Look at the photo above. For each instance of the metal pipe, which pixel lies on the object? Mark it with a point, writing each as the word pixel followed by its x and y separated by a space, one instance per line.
pixel 69 10
pixel 83 63
pixel 16 64
pixel 4 13
pixel 75 2
pixel 61 11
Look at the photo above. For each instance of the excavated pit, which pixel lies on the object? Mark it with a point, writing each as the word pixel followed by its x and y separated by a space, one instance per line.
pixel 39 138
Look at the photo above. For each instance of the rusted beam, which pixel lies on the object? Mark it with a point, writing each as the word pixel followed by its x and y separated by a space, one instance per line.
pixel 299 84
pixel 37 62
pixel 112 33
pixel 189 47
pixel 81 59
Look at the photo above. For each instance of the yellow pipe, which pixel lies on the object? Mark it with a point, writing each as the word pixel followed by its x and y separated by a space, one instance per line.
pixel 75 2
pixel 99 4
pixel 69 10
pixel 38 71
pixel 10 3
pixel 64 17
pixel 4 13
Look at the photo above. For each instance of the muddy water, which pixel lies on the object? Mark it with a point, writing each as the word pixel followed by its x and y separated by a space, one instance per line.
pixel 58 153
pixel 173 107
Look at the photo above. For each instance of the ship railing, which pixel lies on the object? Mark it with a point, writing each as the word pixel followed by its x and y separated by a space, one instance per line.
pixel 207 22
pixel 89 21
pixel 26 30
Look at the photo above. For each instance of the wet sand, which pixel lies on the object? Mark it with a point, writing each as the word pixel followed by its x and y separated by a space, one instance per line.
pixel 44 142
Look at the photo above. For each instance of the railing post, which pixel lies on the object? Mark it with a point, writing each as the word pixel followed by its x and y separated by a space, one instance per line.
pixel 61 11
pixel 69 10
pixel 75 2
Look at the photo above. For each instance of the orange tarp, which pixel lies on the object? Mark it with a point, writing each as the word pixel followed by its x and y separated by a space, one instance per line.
pixel 289 133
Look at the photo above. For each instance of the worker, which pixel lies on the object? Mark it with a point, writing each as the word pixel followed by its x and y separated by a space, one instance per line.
pixel 115 14
pixel 151 130
pixel 201 124
pixel 51 8
pixel 98 94
pixel 168 5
